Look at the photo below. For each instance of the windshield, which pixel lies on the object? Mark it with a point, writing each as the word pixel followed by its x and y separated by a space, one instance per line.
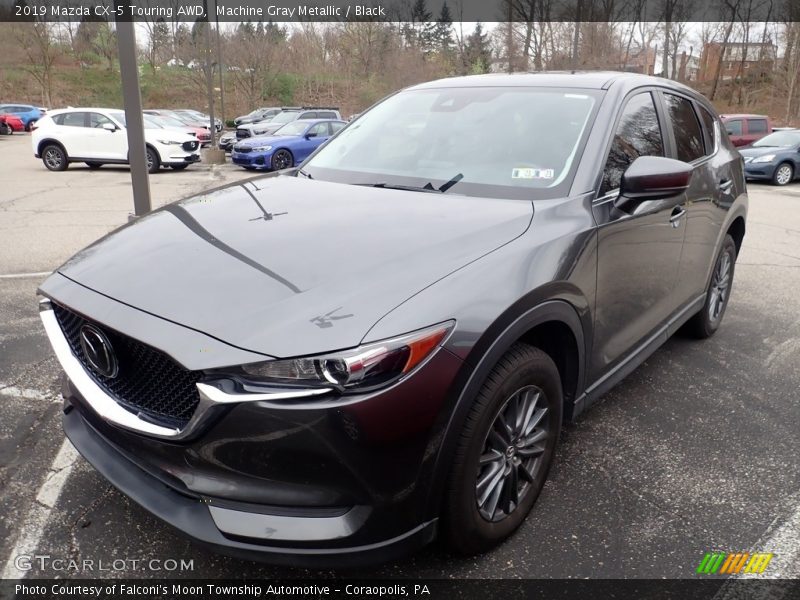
pixel 780 139
pixel 119 117
pixel 284 117
pixel 501 142
pixel 293 128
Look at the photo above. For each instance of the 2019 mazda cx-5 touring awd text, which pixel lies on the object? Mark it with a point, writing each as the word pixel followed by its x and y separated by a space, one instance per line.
pixel 336 364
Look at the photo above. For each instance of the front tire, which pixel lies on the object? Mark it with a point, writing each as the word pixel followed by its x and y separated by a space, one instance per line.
pixel 783 175
pixel 94 165
pixel 54 157
pixel 706 322
pixel 282 159
pixel 504 452
pixel 179 167
pixel 153 161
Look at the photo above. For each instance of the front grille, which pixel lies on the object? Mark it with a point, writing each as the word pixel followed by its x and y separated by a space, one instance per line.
pixel 189 146
pixel 242 149
pixel 242 133
pixel 149 382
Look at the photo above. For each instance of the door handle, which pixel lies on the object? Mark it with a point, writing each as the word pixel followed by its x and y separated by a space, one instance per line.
pixel 725 185
pixel 675 217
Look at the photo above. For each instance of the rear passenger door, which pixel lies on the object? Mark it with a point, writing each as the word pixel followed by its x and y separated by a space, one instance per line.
pixel 72 133
pixel 638 246
pixel 696 134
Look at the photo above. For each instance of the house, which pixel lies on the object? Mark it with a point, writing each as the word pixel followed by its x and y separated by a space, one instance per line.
pixel 752 59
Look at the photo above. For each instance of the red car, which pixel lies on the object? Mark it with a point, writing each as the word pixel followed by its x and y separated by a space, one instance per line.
pixel 743 130
pixel 10 123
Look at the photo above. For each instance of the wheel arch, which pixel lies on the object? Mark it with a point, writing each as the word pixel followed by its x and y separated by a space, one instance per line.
pixel 553 326
pixel 736 230
pixel 50 142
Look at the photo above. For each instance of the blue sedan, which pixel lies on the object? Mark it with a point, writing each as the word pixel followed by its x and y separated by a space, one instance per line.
pixel 775 157
pixel 27 113
pixel 288 146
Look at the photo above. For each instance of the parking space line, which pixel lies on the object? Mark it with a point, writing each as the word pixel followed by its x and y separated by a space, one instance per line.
pixel 13 391
pixel 25 275
pixel 35 522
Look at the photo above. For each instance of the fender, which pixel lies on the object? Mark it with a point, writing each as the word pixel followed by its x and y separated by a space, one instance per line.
pixel 473 374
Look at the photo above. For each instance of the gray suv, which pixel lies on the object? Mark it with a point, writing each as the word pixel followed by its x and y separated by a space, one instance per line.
pixel 337 364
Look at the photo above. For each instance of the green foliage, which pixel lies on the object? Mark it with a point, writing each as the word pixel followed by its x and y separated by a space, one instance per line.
pixel 282 87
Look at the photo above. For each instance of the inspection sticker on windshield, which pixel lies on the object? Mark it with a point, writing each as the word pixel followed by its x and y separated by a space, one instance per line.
pixel 528 173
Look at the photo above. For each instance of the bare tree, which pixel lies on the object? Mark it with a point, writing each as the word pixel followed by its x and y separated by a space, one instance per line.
pixel 41 51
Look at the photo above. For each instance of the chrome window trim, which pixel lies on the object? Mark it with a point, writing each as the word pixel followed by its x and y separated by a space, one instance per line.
pixel 211 397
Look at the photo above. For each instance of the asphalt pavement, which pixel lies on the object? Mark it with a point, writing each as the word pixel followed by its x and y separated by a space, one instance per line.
pixel 697 450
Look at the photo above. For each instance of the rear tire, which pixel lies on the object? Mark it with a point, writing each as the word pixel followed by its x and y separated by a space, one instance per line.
pixel 153 161
pixel 29 126
pixel 491 490
pixel 54 157
pixel 706 322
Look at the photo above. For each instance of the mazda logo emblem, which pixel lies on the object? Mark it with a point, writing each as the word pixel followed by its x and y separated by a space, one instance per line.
pixel 98 351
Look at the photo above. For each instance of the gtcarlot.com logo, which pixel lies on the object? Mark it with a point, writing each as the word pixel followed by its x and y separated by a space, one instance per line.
pixel 734 563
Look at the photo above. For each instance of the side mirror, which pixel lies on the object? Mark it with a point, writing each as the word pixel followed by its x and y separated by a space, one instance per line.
pixel 310 135
pixel 109 127
pixel 653 178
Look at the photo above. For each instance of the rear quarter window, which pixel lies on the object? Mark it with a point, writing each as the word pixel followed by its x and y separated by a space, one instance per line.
pixel 709 123
pixel 685 128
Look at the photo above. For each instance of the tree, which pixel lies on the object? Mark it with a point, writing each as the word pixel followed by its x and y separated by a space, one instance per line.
pixel 478 52
pixel 443 30
pixel 158 42
pixel 41 50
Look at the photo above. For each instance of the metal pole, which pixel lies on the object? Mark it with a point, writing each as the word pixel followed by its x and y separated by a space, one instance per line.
pixel 134 123
pixel 221 68
pixel 209 78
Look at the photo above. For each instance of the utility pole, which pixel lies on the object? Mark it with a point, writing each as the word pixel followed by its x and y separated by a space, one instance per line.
pixel 221 68
pixel 209 69
pixel 134 123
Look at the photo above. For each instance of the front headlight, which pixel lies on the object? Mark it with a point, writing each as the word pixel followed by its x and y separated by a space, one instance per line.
pixel 169 142
pixel 360 369
pixel 764 158
pixel 262 148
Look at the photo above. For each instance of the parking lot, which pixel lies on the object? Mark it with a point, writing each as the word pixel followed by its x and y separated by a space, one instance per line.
pixel 697 450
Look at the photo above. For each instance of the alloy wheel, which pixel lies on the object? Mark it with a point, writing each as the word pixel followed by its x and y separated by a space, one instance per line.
pixel 720 285
pixel 281 160
pixel 53 158
pixel 512 453
pixel 783 175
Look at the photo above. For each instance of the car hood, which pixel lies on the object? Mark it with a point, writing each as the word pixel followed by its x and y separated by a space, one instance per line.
pixel 753 152
pixel 268 127
pixel 286 266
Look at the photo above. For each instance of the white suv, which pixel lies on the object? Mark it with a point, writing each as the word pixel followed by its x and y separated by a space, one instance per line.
pixel 97 136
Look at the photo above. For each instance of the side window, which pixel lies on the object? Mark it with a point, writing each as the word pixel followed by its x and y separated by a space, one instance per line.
pixel 336 127
pixel 58 119
pixel 326 115
pixel 638 134
pixel 685 126
pixel 733 127
pixel 309 115
pixel 708 122
pixel 74 119
pixel 319 130
pixel 97 120
pixel 756 126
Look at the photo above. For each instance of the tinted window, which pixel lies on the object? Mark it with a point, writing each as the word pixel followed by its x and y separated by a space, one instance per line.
pixel 708 122
pixel 733 127
pixel 756 125
pixel 326 114
pixel 75 119
pixel 685 127
pixel 309 115
pixel 638 134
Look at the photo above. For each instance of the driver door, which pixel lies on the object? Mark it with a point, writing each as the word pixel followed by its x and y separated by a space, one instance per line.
pixel 639 244
pixel 106 144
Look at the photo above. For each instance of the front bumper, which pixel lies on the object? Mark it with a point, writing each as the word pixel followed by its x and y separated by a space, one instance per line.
pixel 226 528
pixel 181 158
pixel 256 160
pixel 759 170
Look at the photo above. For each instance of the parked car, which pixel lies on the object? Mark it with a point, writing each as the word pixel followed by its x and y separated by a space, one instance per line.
pixel 97 136
pixel 198 116
pixel 284 117
pixel 10 123
pixel 287 147
pixel 260 114
pixel 27 113
pixel 227 140
pixel 746 129
pixel 201 133
pixel 184 118
pixel 774 158
pixel 336 364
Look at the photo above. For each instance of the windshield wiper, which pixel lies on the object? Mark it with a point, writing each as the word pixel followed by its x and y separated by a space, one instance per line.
pixel 428 187
pixel 304 174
